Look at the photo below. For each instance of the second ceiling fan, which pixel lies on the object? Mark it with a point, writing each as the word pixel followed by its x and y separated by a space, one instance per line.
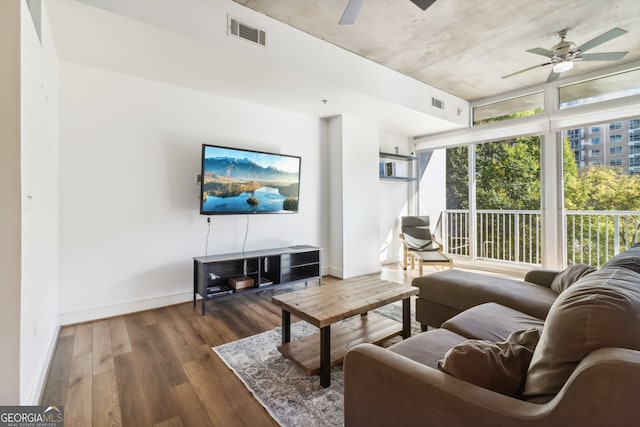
pixel 353 8
pixel 563 54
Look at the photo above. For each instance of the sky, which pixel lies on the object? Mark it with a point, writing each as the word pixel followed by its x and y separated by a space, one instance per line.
pixel 282 162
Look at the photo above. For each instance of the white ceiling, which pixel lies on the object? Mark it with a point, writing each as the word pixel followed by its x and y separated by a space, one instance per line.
pixel 404 56
pixel 464 47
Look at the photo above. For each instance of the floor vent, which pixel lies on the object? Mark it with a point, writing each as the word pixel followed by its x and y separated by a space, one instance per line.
pixel 437 103
pixel 246 32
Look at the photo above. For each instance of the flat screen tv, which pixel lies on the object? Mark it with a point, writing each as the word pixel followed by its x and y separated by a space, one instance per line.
pixel 236 181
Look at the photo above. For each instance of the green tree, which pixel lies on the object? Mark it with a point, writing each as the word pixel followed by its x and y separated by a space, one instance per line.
pixel 508 178
pixel 574 193
pixel 601 188
pixel 590 238
pixel 507 175
pixel 457 178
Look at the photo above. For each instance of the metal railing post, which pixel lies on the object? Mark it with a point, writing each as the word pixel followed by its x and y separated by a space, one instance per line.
pixel 517 238
pixel 616 234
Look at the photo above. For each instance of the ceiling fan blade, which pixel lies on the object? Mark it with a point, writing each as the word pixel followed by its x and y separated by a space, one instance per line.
pixel 552 76
pixel 602 38
pixel 351 12
pixel 541 51
pixel 526 69
pixel 605 56
pixel 423 4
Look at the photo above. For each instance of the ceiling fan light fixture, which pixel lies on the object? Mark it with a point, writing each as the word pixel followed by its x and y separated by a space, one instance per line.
pixel 563 66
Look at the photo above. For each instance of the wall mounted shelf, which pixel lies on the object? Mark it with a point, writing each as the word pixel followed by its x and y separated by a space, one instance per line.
pixel 388 169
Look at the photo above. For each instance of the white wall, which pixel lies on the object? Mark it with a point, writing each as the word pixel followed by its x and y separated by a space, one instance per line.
pixel 432 197
pixel 10 207
pixel 355 215
pixel 335 256
pixel 39 124
pixel 394 199
pixel 129 155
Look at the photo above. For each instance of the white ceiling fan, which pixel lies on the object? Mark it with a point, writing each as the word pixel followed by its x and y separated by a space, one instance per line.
pixel 353 8
pixel 565 53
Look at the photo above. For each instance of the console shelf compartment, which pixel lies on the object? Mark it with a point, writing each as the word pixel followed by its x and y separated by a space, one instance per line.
pixel 270 268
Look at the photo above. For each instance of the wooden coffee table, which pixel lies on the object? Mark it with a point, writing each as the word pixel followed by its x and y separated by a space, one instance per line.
pixel 325 305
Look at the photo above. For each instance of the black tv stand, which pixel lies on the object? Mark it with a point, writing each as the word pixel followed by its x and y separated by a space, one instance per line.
pixel 269 268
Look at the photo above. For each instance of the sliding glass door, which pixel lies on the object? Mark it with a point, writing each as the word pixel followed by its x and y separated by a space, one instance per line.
pixel 494 212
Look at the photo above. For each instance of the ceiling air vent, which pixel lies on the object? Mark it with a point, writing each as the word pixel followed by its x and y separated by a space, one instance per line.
pixel 437 103
pixel 246 32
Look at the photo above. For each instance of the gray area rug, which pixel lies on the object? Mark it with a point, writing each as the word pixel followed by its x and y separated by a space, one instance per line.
pixel 289 395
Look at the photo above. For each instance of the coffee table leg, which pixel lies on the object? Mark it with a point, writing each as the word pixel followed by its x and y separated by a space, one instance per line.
pixel 406 318
pixel 325 356
pixel 286 326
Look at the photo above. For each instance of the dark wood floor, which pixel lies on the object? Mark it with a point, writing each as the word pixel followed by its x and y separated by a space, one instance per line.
pixel 156 368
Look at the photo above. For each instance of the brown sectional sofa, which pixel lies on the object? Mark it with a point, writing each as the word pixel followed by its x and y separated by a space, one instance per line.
pixel 584 370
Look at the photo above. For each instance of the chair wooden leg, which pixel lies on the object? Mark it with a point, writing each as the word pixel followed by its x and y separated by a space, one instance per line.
pixel 420 266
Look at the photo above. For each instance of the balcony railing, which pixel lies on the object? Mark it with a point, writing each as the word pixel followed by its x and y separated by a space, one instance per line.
pixel 514 236
pixel 595 236
pixel 503 235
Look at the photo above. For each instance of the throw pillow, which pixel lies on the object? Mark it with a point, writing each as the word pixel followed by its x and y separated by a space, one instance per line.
pixel 569 276
pixel 500 367
pixel 602 310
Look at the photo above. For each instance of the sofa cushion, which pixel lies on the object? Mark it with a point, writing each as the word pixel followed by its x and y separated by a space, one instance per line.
pixel 428 347
pixel 600 310
pixel 462 290
pixel 497 366
pixel 491 321
pixel 569 276
pixel 629 259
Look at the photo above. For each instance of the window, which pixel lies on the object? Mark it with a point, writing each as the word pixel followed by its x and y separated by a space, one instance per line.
pixel 615 138
pixel 595 141
pixel 595 129
pixel 506 177
pixel 634 149
pixel 600 89
pixel 615 125
pixel 615 162
pixel 634 161
pixel 595 152
pixel 521 106
pixel 634 124
pixel 576 133
pixel 634 137
pixel 615 150
pixel 595 163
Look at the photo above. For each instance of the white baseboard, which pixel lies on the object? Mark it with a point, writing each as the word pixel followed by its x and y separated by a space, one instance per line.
pixel 126 308
pixel 37 388
pixel 342 274
pixel 389 261
pixel 335 272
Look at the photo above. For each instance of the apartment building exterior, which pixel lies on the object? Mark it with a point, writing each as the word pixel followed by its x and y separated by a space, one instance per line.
pixel 611 144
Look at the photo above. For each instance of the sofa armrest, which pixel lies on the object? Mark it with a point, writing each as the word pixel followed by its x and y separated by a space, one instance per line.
pixel 383 388
pixel 541 276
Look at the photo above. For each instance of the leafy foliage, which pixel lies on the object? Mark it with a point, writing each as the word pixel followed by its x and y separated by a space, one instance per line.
pixel 508 178
pixel 507 175
pixel 601 188
pixel 457 178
